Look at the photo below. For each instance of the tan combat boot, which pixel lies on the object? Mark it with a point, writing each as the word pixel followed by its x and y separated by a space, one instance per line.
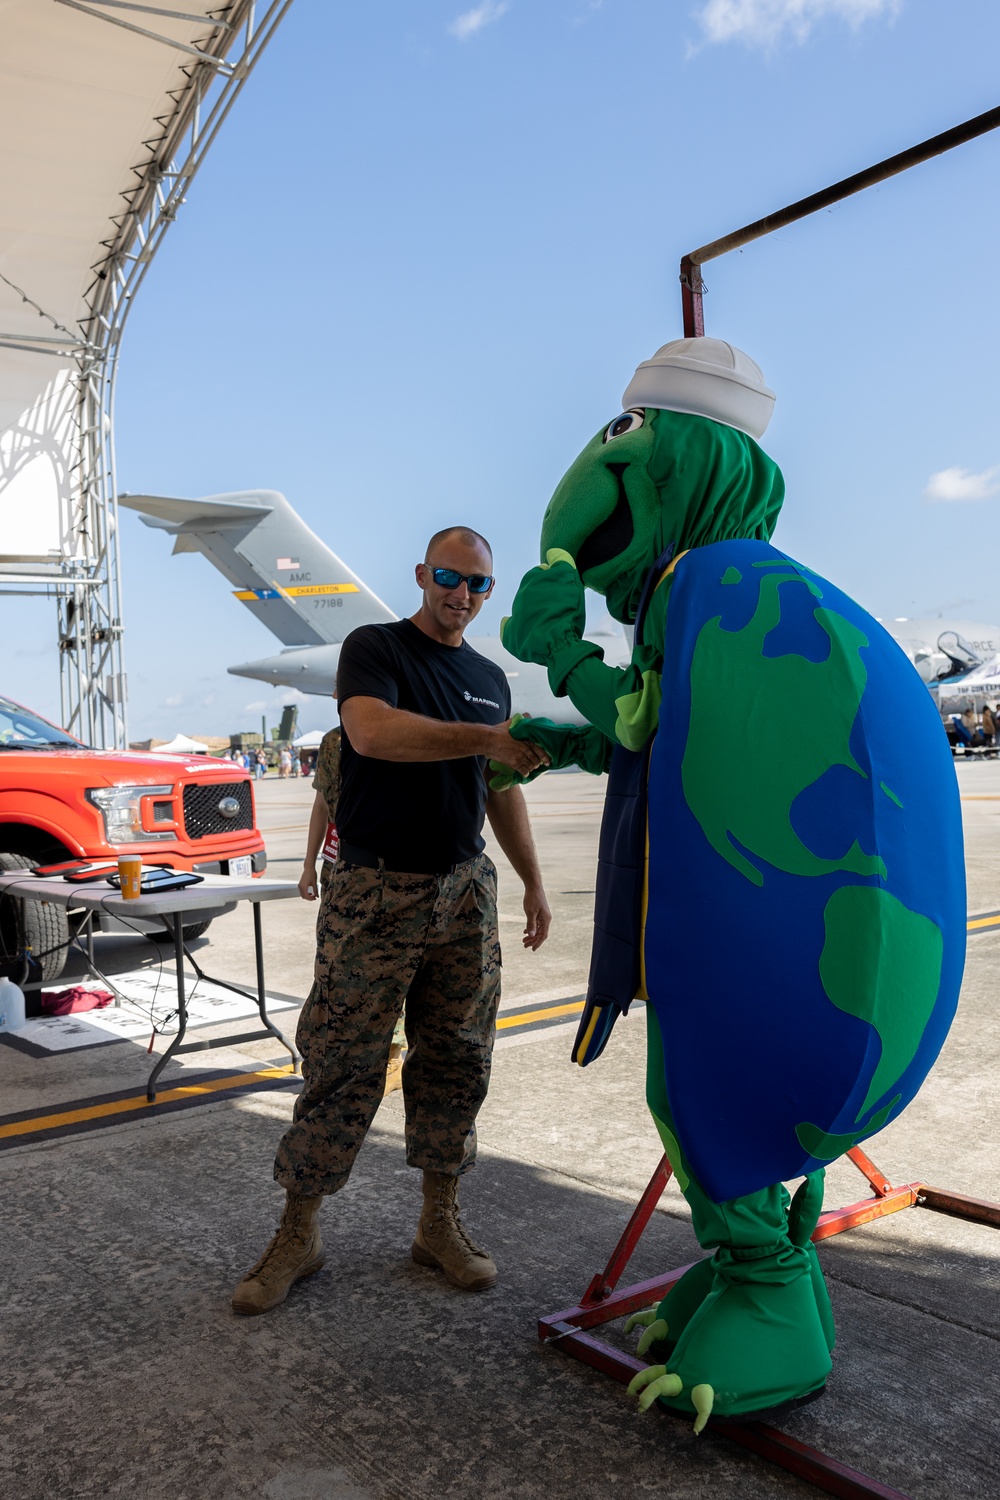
pixel 442 1241
pixel 394 1072
pixel 295 1251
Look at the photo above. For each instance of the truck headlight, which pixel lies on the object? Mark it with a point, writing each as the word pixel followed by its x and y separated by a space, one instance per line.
pixel 121 808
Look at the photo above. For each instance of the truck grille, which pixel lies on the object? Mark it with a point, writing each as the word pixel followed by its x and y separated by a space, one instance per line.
pixel 201 808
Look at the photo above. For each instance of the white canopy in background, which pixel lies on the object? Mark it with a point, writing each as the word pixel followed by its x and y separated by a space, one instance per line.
pixel 83 107
pixel 181 745
pixel 311 740
pixel 980 686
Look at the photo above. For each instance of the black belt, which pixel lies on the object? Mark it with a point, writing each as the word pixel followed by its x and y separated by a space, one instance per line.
pixel 353 855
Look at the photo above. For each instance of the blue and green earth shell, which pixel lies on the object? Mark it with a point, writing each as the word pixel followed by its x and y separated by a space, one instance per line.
pixel 805 930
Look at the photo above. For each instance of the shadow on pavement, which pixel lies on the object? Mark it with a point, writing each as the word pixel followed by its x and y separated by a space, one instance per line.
pixel 130 1376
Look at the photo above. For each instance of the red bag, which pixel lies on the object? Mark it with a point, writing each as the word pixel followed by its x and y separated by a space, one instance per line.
pixel 66 1002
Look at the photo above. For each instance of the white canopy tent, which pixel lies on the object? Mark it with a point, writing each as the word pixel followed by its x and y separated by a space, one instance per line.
pixel 106 111
pixel 311 740
pixel 182 745
pixel 973 690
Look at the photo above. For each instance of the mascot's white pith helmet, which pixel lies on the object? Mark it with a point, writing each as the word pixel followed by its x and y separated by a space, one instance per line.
pixel 707 377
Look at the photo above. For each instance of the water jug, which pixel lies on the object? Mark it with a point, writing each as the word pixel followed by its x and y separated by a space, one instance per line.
pixel 11 1006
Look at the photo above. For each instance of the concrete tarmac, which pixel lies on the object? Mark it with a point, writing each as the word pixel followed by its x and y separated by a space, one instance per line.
pixel 127 1375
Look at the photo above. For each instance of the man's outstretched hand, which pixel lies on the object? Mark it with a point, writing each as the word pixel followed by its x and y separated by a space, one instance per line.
pixel 521 756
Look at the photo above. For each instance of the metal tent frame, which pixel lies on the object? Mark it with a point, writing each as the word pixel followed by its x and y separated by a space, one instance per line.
pixel 87 585
pixel 692 285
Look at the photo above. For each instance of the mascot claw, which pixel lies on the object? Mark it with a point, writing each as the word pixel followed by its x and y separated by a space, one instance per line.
pixel 656 1382
pixel 654 1334
pixel 656 1329
pixel 702 1399
pixel 653 1383
pixel 641 1319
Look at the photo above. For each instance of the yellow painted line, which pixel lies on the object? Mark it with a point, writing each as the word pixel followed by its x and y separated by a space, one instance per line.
pixel 137 1101
pixel 981 797
pixel 984 922
pixel 539 1015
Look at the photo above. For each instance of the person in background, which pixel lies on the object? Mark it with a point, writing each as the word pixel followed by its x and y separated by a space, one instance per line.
pixel 971 726
pixel 260 764
pixel 322 844
pixel 284 763
pixel 989 726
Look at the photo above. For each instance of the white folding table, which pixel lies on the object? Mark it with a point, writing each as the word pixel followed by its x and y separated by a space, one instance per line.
pixel 170 907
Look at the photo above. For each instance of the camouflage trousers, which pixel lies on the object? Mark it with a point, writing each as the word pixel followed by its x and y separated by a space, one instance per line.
pixel 325 885
pixel 385 938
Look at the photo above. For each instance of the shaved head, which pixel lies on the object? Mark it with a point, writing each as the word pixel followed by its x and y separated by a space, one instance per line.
pixel 464 534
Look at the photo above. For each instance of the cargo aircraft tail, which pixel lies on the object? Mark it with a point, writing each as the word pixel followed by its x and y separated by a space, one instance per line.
pixel 307 597
pixel 287 578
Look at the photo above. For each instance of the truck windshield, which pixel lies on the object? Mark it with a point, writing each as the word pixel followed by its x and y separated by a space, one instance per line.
pixel 22 730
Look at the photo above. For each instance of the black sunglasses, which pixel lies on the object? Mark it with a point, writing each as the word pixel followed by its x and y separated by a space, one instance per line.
pixel 447 578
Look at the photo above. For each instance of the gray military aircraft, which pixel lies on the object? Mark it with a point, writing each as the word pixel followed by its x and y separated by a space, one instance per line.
pixel 306 596
pixel 944 651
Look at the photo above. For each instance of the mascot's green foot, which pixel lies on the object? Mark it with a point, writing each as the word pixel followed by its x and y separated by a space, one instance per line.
pixel 756 1341
pixel 665 1324
pixel 656 1384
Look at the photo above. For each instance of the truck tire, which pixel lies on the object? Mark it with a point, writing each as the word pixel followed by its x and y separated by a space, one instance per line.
pixel 33 924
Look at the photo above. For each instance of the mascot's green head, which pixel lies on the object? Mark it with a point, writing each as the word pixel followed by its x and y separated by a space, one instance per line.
pixel 680 465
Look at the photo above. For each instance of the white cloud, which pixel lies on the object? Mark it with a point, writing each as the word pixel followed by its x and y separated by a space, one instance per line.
pixel 258 706
pixel 963 484
pixel 174 701
pixel 472 21
pixel 761 23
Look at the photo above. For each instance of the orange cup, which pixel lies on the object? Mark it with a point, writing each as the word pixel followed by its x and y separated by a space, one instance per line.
pixel 130 876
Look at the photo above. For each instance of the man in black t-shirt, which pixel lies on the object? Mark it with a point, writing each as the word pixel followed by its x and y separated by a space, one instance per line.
pixel 411 915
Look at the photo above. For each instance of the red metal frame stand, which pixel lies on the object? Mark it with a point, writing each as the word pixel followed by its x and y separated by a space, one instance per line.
pixel 602 1303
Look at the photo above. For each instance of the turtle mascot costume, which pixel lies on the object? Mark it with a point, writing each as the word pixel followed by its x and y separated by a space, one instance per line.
pixel 781 872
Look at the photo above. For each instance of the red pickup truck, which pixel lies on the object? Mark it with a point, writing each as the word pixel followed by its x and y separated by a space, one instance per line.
pixel 60 800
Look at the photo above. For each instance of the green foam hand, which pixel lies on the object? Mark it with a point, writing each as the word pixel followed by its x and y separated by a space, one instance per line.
pixel 549 609
pixel 506 776
pixel 565 745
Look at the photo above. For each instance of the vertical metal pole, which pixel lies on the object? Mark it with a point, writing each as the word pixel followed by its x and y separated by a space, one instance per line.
pixel 692 291
pixel 258 948
pixel 173 921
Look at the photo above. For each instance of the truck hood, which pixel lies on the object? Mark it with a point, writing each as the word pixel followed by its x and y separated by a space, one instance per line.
pixel 121 767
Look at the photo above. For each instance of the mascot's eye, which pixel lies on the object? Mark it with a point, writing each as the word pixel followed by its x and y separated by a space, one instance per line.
pixel 627 422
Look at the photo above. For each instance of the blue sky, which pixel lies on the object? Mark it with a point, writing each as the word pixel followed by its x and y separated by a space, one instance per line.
pixel 434 240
